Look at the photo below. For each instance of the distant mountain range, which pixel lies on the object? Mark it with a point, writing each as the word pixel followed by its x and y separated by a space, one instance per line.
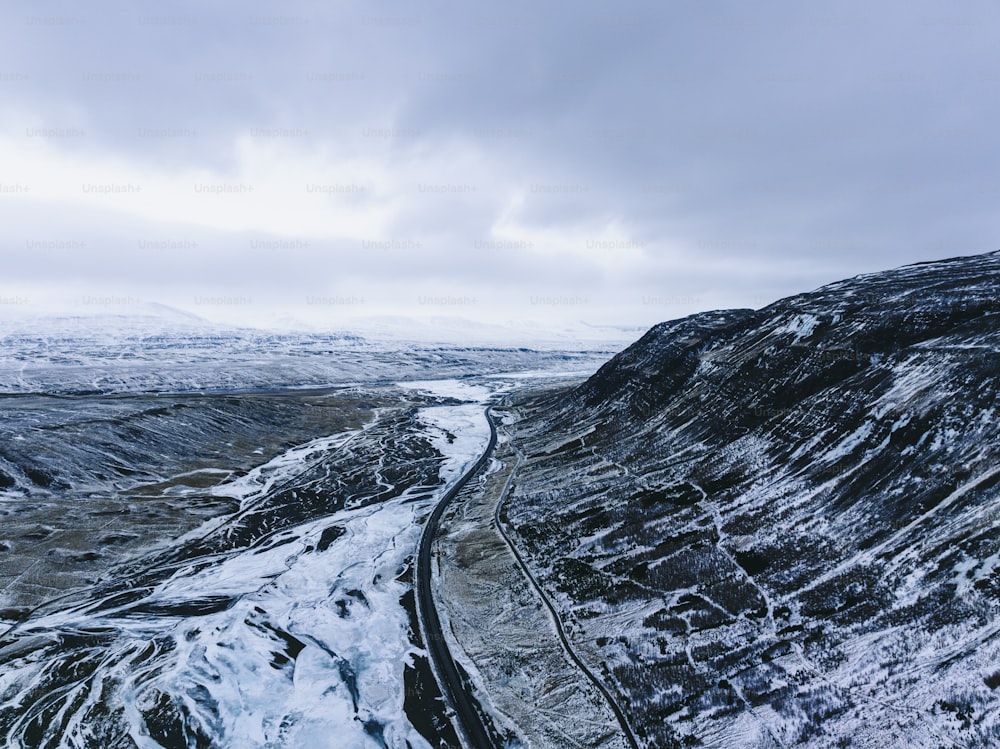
pixel 781 526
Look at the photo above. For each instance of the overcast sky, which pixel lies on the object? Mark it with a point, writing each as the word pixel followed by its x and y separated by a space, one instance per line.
pixel 613 162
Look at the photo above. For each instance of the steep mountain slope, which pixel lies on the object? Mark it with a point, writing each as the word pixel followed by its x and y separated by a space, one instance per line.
pixel 782 526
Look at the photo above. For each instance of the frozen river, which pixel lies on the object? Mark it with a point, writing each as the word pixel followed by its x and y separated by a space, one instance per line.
pixel 278 623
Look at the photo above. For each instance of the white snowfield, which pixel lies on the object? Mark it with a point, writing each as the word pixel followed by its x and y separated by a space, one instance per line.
pixel 299 639
pixel 311 651
pixel 152 347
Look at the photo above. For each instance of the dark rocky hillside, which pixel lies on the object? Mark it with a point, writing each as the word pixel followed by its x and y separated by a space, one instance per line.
pixel 782 527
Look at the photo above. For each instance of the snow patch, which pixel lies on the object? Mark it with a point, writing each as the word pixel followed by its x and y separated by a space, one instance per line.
pixel 800 326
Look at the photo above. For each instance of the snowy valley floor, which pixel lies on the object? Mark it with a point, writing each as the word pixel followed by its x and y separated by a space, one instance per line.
pixel 157 600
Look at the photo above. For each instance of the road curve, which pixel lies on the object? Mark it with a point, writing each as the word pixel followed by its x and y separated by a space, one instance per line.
pixel 469 723
pixel 619 714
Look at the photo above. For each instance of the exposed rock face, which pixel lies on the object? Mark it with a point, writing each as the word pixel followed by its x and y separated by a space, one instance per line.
pixel 783 525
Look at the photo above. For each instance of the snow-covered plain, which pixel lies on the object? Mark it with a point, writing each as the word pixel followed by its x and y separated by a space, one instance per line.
pixel 278 620
pixel 152 348
pixel 296 639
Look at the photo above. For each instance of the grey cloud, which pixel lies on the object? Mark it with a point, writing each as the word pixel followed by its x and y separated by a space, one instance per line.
pixel 814 142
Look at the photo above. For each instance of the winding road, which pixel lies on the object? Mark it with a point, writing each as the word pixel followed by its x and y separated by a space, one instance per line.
pixel 469 723
pixel 455 689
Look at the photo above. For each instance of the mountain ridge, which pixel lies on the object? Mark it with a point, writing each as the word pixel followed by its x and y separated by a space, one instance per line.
pixel 767 522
